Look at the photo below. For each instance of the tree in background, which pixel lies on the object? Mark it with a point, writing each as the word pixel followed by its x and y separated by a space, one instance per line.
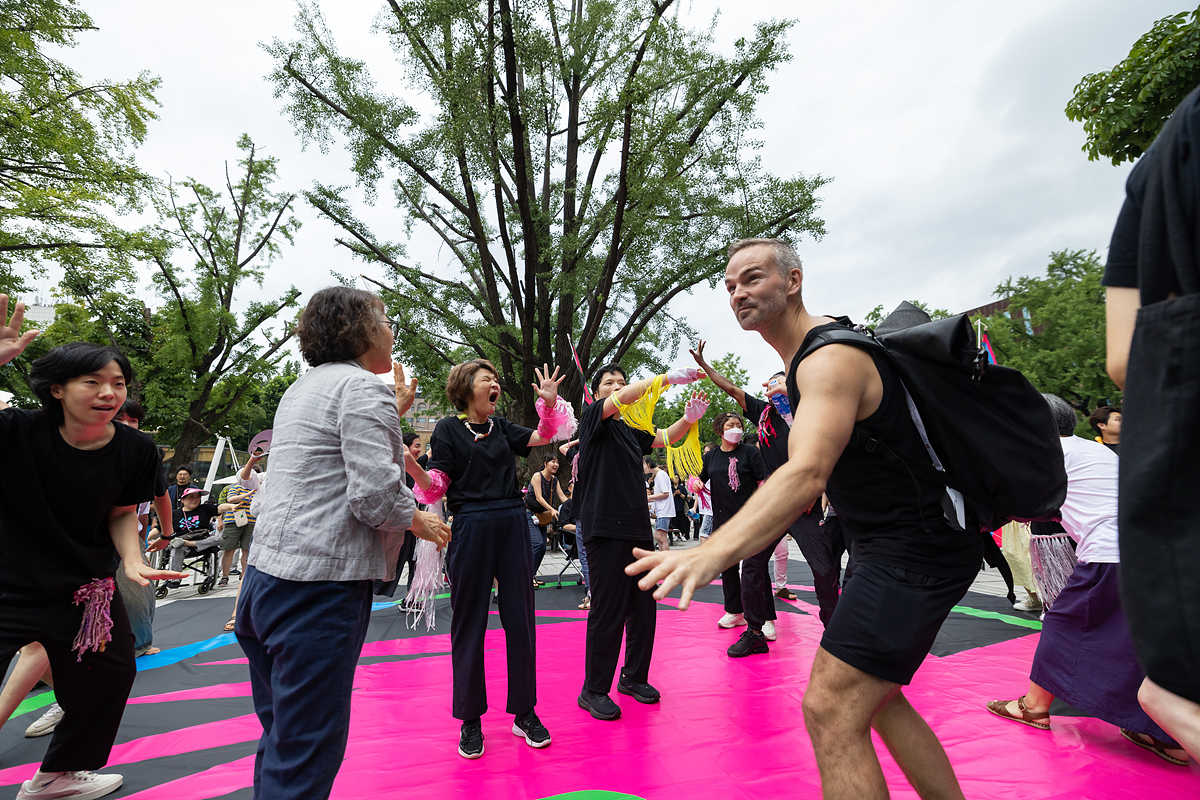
pixel 1123 109
pixel 66 151
pixel 1058 339
pixel 584 162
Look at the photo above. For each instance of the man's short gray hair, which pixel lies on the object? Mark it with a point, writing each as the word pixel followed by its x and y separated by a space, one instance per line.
pixel 785 256
pixel 1064 415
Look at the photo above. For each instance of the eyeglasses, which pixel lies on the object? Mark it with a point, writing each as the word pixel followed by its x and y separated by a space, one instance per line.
pixel 393 324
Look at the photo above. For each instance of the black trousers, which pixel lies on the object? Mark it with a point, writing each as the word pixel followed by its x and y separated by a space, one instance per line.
pixel 92 692
pixel 822 546
pixel 618 606
pixel 491 541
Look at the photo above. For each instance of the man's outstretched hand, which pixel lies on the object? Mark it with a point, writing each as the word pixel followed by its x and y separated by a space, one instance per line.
pixel 688 569
pixel 12 341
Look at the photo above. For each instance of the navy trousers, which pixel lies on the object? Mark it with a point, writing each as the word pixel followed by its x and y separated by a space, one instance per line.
pixel 302 639
pixel 489 541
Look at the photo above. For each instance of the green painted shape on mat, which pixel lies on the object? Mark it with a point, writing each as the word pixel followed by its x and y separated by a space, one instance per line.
pixel 594 794
pixel 33 704
pixel 1021 622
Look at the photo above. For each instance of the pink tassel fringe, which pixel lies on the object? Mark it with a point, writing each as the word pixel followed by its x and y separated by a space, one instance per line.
pixel 697 487
pixel 439 482
pixel 734 482
pixel 95 630
pixel 425 585
pixel 557 423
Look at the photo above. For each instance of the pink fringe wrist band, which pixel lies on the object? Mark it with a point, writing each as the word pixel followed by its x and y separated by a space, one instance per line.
pixel 439 482
pixel 557 423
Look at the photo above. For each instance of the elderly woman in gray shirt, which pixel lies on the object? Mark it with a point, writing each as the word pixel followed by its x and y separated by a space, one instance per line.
pixel 331 520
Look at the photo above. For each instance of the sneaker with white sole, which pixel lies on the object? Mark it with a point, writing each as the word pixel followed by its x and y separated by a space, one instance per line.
pixel 46 723
pixel 731 621
pixel 1030 603
pixel 768 630
pixel 69 786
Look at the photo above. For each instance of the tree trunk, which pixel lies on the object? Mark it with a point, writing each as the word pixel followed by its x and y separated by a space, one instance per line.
pixel 191 437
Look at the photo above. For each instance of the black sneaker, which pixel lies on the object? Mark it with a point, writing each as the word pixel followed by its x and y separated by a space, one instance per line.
pixel 642 692
pixel 535 733
pixel 235 571
pixel 748 644
pixel 172 584
pixel 599 705
pixel 223 580
pixel 470 739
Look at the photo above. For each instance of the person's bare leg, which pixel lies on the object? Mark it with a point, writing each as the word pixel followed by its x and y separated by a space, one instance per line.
pixel 226 562
pixel 1176 715
pixel 838 706
pixel 916 749
pixel 1037 701
pixel 33 665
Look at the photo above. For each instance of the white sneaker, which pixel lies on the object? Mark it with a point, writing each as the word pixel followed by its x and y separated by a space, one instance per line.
pixel 69 786
pixel 731 621
pixel 768 631
pixel 46 723
pixel 1029 604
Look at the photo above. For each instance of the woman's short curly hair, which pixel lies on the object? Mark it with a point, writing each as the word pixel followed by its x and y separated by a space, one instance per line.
pixel 338 324
pixel 458 383
pixel 719 422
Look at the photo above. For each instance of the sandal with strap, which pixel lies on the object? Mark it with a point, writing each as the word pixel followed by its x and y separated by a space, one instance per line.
pixel 229 626
pixel 1156 746
pixel 1041 720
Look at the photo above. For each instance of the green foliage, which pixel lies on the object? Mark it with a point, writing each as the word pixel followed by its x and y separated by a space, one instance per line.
pixel 1058 343
pixel 670 407
pixel 877 315
pixel 66 151
pixel 582 164
pixel 1123 109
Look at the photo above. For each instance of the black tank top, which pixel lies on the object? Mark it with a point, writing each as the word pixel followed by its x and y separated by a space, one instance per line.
pixel 886 493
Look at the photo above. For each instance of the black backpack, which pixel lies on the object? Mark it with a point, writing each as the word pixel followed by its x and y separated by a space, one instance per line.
pixel 988 431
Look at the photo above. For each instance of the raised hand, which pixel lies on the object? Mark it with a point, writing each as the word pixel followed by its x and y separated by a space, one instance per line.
pixel 547 384
pixel 697 353
pixel 406 391
pixel 12 341
pixel 696 406
pixel 683 375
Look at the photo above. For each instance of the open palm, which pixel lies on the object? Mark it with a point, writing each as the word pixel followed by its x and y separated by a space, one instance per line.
pixel 547 384
pixel 12 341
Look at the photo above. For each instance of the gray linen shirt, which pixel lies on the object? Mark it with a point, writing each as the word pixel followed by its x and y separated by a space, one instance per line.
pixel 336 506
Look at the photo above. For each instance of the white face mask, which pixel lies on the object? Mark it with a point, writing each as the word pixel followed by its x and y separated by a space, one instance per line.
pixel 733 435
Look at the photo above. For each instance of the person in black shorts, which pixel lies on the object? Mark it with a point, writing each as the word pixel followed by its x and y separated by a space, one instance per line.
pixel 70 483
pixel 1152 282
pixel 853 438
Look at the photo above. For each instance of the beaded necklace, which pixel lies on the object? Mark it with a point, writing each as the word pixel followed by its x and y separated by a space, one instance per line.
pixel 478 436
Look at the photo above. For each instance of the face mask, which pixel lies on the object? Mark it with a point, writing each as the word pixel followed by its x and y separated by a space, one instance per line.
pixel 733 435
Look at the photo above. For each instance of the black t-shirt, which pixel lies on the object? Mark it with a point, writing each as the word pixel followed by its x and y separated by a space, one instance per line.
pixel 480 470
pixel 750 470
pixel 772 432
pixel 194 524
pixel 1121 267
pixel 566 512
pixel 56 500
pixel 610 499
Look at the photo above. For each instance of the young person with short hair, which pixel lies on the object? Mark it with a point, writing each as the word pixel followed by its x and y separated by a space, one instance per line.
pixel 661 501
pixel 70 482
pixel 1106 422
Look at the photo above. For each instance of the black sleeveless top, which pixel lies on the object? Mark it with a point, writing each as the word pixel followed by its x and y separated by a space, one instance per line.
pixel 888 497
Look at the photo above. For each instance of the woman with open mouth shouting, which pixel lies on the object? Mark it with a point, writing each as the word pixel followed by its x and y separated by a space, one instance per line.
pixel 473 468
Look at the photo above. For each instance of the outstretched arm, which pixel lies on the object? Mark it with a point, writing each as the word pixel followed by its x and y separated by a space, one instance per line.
pixel 723 383
pixel 697 404
pixel 838 385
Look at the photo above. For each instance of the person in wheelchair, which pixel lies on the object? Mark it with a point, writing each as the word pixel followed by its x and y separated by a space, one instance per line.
pixel 193 532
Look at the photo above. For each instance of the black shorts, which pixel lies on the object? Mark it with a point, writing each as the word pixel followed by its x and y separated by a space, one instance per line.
pixel 888 616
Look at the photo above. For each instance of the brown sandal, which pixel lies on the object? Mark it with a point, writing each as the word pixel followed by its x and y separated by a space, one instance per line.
pixel 1041 721
pixel 229 626
pixel 1156 746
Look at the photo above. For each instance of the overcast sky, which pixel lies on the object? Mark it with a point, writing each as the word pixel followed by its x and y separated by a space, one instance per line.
pixel 941 125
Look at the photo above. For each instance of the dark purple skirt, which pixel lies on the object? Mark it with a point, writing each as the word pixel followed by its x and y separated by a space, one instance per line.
pixel 1085 655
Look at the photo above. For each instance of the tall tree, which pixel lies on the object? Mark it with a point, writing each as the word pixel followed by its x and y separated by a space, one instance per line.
pixel 66 150
pixel 1123 109
pixel 582 163
pixel 210 355
pixel 1058 340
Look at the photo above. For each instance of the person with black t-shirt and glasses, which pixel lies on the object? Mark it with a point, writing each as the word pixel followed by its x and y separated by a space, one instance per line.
pixel 820 552
pixel 1153 310
pixel 733 471
pixel 70 484
pixel 610 503
pixel 853 438
pixel 473 467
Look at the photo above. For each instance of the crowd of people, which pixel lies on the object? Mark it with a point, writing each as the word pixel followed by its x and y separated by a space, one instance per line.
pixel 839 459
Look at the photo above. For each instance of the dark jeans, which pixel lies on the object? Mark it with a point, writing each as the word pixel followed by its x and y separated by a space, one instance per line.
pixel 302 639
pixel 822 546
pixel 757 598
pixel 618 605
pixel 139 605
pixel 491 541
pixel 537 544
pixel 91 692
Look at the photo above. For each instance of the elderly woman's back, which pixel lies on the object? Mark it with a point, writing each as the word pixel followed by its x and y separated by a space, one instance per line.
pixel 336 506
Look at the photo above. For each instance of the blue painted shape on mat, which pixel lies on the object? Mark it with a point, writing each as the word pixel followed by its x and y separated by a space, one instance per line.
pixel 173 655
